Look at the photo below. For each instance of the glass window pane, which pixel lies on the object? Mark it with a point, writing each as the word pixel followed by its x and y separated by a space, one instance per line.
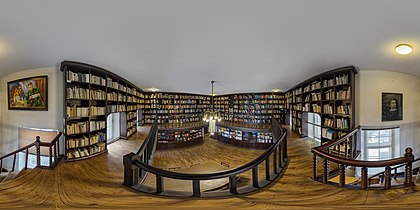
pixel 385 153
pixel 373 153
pixel 370 134
pixel 386 133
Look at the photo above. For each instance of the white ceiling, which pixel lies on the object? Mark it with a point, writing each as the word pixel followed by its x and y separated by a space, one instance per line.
pixel 181 45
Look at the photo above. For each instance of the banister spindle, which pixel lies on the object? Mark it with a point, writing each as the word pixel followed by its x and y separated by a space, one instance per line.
pixel 326 171
pixel 275 161
pixel 342 175
pixel 409 158
pixel 38 151
pixel 255 176
pixel 196 188
pixel 232 184
pixel 159 184
pixel 14 162
pixel 387 177
pixel 50 148
pixel 26 158
pixel 314 166
pixel 267 169
pixel 364 180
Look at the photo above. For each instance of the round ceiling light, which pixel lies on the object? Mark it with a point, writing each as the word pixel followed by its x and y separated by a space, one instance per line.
pixel 403 49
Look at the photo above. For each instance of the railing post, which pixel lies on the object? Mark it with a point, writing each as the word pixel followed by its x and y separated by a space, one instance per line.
pixel 131 176
pixel 14 162
pixel 26 158
pixel 255 176
pixel 275 161
pixel 326 171
pixel 267 169
pixel 409 158
pixel 232 184
pixel 38 151
pixel 159 184
pixel 364 180
pixel 285 146
pixel 315 166
pixel 196 188
pixel 342 175
pixel 50 156
pixel 387 177
pixel 1 166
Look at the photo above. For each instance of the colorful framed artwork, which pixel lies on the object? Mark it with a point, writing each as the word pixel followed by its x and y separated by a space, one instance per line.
pixel 28 94
pixel 392 106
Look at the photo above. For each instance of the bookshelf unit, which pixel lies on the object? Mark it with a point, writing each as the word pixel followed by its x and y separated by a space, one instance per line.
pixel 251 108
pixel 189 107
pixel 331 95
pixel 90 95
pixel 257 138
pixel 171 138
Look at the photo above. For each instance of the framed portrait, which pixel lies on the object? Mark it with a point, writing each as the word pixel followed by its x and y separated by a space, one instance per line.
pixel 28 94
pixel 392 106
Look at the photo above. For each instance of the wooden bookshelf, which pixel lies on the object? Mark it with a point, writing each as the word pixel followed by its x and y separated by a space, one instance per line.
pixel 251 108
pixel 257 138
pixel 331 95
pixel 90 95
pixel 188 107
pixel 186 135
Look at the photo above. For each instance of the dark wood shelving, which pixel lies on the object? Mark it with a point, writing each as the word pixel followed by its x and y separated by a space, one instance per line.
pixel 84 79
pixel 295 101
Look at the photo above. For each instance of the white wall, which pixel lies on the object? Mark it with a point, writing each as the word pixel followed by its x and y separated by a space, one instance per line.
pixel 11 119
pixel 369 88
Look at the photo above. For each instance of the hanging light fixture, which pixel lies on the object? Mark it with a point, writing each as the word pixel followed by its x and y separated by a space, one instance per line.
pixel 211 116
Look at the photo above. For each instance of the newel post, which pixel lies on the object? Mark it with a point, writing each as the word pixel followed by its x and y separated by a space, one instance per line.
pixel 131 172
pixel 409 158
pixel 38 151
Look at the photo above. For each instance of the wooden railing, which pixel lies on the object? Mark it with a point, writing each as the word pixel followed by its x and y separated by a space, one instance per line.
pixel 333 152
pixel 137 166
pixel 53 147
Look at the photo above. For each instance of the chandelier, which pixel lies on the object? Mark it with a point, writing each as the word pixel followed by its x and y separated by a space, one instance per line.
pixel 211 116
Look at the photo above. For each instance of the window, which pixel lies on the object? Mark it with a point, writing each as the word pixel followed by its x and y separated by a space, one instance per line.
pixel 314 126
pixel 380 144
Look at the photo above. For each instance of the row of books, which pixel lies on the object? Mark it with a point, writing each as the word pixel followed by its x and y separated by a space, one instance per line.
pixel 84 140
pixel 75 111
pixel 85 77
pixel 343 123
pixel 116 108
pixel 260 137
pixel 131 115
pixel 96 125
pixel 257 101
pixel 76 128
pixel 344 109
pixel 178 96
pixel 328 83
pixel 342 79
pixel 180 135
pixel 258 96
pixel 115 85
pixel 343 94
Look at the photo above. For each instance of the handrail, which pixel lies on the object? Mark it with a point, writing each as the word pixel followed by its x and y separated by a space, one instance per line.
pixel 135 166
pixel 326 152
pixel 54 145
pixel 393 168
pixel 338 141
pixel 18 150
pixel 215 175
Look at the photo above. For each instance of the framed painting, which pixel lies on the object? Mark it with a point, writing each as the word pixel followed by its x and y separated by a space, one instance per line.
pixel 392 106
pixel 28 94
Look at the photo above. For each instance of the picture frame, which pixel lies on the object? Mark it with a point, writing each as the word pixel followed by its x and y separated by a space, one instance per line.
pixel 392 106
pixel 28 94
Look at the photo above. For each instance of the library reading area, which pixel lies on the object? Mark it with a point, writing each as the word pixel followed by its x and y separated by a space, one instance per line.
pixel 209 105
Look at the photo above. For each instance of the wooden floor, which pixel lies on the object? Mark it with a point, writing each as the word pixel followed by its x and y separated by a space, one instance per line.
pixel 97 183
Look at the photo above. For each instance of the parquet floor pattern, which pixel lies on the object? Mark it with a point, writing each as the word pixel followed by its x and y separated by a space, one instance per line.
pixel 96 183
